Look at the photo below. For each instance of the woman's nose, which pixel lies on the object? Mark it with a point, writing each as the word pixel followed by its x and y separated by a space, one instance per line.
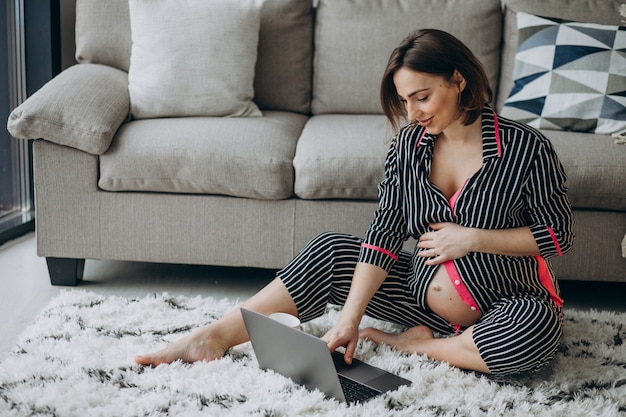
pixel 412 111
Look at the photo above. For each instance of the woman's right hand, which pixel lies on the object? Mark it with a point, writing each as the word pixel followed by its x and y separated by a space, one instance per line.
pixel 344 333
pixel 365 281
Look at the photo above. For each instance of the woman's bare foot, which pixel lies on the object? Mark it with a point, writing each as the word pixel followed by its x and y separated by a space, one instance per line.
pixel 404 341
pixel 198 346
pixel 211 342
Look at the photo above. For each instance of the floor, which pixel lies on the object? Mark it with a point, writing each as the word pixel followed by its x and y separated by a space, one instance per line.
pixel 25 288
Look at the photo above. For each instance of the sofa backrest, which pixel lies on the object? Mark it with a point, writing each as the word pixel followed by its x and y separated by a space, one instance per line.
pixel 354 39
pixel 605 12
pixel 285 52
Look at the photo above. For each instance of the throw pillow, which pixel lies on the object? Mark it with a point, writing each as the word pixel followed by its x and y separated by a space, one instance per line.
pixel 569 76
pixel 193 57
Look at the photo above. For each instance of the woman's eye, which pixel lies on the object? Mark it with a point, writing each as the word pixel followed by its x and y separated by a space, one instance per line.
pixel 423 98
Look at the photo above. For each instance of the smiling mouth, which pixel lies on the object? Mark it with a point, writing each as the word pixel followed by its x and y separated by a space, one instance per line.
pixel 426 122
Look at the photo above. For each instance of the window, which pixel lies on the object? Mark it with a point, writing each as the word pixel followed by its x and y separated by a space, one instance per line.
pixel 29 57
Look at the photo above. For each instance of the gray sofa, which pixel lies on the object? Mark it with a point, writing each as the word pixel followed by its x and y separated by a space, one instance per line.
pixel 251 191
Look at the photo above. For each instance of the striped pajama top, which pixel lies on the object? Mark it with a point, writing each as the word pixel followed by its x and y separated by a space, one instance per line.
pixel 521 183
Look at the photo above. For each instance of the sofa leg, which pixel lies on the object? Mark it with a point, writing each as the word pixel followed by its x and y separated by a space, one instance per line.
pixel 65 271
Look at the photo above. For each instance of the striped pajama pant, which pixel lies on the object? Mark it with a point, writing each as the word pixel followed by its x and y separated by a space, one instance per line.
pixel 518 333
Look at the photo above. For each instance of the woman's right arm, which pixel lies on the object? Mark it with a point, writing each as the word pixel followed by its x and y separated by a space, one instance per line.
pixel 365 282
pixel 378 253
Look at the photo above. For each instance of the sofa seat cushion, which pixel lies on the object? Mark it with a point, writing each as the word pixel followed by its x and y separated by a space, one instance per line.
pixel 341 157
pixel 250 157
pixel 595 169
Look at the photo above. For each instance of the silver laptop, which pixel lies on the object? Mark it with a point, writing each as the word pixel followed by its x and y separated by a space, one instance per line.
pixel 307 360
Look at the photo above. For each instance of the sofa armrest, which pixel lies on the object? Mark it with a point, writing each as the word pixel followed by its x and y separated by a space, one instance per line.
pixel 82 107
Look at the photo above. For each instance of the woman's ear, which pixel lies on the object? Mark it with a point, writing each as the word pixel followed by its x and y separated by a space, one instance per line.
pixel 459 80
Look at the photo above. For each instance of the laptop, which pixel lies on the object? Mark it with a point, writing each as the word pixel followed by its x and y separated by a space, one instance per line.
pixel 307 360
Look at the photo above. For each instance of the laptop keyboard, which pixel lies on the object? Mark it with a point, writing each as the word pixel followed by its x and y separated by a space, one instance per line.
pixel 354 391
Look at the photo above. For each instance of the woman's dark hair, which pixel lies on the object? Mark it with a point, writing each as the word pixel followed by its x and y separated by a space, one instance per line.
pixel 435 52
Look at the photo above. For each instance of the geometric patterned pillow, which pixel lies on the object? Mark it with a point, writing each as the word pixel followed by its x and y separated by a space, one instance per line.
pixel 569 76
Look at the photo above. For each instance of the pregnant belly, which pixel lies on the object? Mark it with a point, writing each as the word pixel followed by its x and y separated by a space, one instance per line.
pixel 445 301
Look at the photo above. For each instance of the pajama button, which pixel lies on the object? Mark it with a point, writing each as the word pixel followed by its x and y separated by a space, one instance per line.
pixel 473 308
pixel 457 282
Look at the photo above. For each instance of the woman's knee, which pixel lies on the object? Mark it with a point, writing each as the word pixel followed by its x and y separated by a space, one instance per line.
pixel 332 247
pixel 335 240
pixel 315 276
pixel 519 335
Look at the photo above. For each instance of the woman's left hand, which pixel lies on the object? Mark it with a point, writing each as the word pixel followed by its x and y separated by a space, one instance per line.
pixel 447 241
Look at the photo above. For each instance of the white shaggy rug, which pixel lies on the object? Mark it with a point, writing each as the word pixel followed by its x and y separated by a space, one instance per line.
pixel 76 359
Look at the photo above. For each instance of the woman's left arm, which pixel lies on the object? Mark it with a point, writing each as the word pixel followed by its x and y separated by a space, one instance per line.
pixel 451 241
pixel 549 231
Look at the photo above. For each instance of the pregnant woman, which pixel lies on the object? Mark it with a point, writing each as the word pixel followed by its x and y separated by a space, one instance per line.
pixel 485 198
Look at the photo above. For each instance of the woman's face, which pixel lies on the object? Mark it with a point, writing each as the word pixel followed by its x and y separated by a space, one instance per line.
pixel 429 99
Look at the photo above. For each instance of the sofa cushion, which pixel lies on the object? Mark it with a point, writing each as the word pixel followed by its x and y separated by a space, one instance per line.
pixel 284 59
pixel 354 38
pixel 205 155
pixel 193 58
pixel 605 12
pixel 595 169
pixel 569 76
pixel 82 107
pixel 282 79
pixel 103 33
pixel 341 157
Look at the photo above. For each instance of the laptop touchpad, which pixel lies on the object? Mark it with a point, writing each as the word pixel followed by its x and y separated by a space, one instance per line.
pixel 358 371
